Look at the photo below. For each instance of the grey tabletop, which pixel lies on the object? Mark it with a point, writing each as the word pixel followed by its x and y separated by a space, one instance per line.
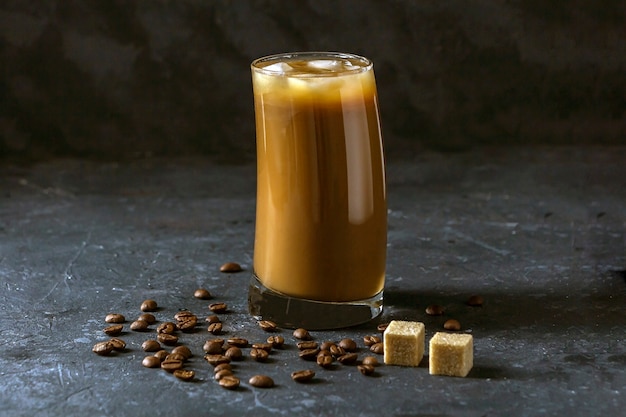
pixel 539 233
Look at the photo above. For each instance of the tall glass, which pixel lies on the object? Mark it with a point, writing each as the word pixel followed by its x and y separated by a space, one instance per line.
pixel 321 214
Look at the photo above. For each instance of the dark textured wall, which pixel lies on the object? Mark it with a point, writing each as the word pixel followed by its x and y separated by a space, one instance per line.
pixel 117 78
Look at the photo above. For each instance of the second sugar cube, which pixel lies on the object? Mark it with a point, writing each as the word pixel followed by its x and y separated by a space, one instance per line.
pixel 404 343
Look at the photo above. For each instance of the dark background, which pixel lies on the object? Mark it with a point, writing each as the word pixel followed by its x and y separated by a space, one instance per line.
pixel 111 79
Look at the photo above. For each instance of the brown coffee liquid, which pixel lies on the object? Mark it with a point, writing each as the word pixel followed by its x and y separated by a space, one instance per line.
pixel 321 220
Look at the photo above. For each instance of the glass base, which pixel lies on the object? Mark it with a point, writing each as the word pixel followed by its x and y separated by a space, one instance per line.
pixel 290 312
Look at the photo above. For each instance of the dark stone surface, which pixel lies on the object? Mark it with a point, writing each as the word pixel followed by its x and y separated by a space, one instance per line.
pixel 119 78
pixel 539 233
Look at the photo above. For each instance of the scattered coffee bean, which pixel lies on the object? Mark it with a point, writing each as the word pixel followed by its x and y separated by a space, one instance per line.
pixel 183 314
pixel 370 360
pixel 230 267
pixel 237 341
pixel 222 373
pixel 113 330
pixel 166 327
pixel 304 375
pixel 118 344
pixel 327 345
pixel 348 358
pixel 222 367
pixel 234 353
pixel 268 326
pixel 148 306
pixel 151 346
pixel 276 341
pixel 452 324
pixel 151 362
pixel 161 354
pixel 213 346
pixel 307 344
pixel 309 354
pixel 139 326
pixel 148 318
pixel 378 348
pixel 216 359
pixel 324 359
pixel 261 381
pixel 202 294
pixel 103 348
pixel 366 369
pixel 259 355
pixel 186 323
pixel 170 365
pixel 213 319
pixel 229 382
pixel 265 346
pixel 215 328
pixel 176 356
pixel 184 374
pixel 434 310
pixel 371 340
pixel 114 318
pixel 337 351
pixel 302 334
pixel 382 327
pixel 348 345
pixel 218 307
pixel 183 350
pixel 167 339
pixel 475 301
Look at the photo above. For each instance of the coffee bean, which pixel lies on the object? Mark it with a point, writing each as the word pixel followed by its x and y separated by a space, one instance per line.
pixel 230 267
pixel 348 358
pixel 265 346
pixel 259 355
pixel 348 345
pixel 150 346
pixel 166 327
pixel 307 344
pixel 215 328
pixel 337 351
pixel 187 322
pixel 170 365
pixel 167 339
pixel 176 356
pixel 327 345
pixel 183 314
pixel 184 374
pixel 202 294
pixel 148 318
pixel 234 353
pixel 139 326
pixel 261 381
pixel 304 375
pixel 213 346
pixel 268 326
pixel 237 341
pixel 148 305
pixel 452 324
pixel 434 310
pixel 370 360
pixel 378 348
pixel 218 307
pixel 475 301
pixel 103 348
pixel 213 319
pixel 324 359
pixel 302 334
pixel 151 362
pixel 113 330
pixel 222 373
pixel 216 359
pixel 183 350
pixel 309 354
pixel 229 382
pixel 162 354
pixel 118 344
pixel 371 340
pixel 222 367
pixel 382 327
pixel 114 318
pixel 276 341
pixel 366 369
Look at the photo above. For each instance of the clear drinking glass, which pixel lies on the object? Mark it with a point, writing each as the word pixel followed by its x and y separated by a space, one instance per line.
pixel 321 214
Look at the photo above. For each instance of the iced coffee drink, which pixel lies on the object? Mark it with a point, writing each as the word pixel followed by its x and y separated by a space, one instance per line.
pixel 321 219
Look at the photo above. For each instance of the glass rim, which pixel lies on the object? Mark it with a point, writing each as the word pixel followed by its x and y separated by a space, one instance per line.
pixel 368 64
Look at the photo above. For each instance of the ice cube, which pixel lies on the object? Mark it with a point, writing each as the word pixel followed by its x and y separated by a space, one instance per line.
pixel 325 64
pixel 279 67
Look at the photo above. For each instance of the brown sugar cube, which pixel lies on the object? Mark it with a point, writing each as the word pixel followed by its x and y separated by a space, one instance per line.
pixel 404 343
pixel 451 354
